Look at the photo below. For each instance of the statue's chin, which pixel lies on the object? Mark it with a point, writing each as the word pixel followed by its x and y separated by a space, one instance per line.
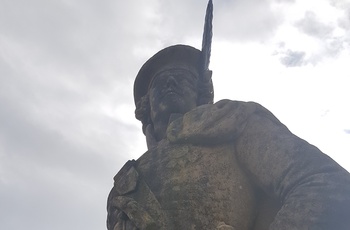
pixel 173 103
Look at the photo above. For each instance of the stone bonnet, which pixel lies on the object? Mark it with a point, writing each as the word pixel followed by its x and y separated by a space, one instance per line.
pixel 177 56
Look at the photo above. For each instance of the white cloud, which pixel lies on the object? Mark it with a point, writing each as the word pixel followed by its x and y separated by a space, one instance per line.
pixel 315 28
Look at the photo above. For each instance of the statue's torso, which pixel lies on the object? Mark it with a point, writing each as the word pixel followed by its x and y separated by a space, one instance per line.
pixel 199 187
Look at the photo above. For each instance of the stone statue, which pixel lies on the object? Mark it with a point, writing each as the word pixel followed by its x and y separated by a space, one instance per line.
pixel 229 165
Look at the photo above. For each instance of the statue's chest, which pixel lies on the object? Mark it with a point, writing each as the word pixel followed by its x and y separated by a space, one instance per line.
pixel 198 187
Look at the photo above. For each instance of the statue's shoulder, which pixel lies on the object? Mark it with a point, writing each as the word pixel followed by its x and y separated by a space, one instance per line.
pixel 236 103
pixel 239 108
pixel 126 179
pixel 247 108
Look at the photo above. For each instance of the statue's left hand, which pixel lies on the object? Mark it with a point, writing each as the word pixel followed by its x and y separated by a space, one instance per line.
pixel 211 123
pixel 126 211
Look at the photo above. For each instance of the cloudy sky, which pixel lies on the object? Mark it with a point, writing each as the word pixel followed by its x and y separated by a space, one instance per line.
pixel 67 69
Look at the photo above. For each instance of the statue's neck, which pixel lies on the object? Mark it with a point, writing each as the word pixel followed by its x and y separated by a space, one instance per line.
pixel 161 125
pixel 160 129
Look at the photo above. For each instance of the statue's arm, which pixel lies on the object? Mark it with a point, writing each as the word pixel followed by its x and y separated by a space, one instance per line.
pixel 314 189
pixel 211 124
pixel 131 204
pixel 124 212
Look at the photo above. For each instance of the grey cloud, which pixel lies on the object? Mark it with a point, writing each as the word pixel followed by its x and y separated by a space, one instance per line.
pixel 344 22
pixel 61 63
pixel 313 27
pixel 293 58
pixel 79 37
pixel 347 131
pixel 233 20
pixel 285 1
pixel 53 181
pixel 341 4
pixel 56 181
pixel 332 46
pixel 246 20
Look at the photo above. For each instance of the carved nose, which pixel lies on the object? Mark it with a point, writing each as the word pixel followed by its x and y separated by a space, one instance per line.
pixel 171 82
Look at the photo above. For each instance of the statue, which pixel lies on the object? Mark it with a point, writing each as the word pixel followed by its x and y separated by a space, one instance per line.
pixel 229 165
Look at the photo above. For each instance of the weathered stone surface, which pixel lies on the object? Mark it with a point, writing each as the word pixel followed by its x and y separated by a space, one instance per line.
pixel 258 176
pixel 199 187
pixel 126 180
pixel 228 165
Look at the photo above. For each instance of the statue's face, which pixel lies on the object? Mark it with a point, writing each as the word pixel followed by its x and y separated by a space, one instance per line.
pixel 173 91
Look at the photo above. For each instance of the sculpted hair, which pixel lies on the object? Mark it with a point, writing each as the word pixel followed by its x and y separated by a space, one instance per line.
pixel 205 92
pixel 143 112
pixel 143 108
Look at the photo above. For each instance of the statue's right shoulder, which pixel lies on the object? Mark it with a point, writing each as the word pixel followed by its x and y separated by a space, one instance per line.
pixel 126 179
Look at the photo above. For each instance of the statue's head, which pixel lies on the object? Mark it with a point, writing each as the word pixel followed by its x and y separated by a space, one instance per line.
pixel 170 82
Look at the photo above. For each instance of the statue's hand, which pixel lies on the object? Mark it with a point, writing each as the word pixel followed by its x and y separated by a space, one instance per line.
pixel 125 211
pixel 212 123
pixel 118 220
pixel 127 208
pixel 122 209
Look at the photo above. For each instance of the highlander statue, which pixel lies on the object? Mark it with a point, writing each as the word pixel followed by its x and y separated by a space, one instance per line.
pixel 228 165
